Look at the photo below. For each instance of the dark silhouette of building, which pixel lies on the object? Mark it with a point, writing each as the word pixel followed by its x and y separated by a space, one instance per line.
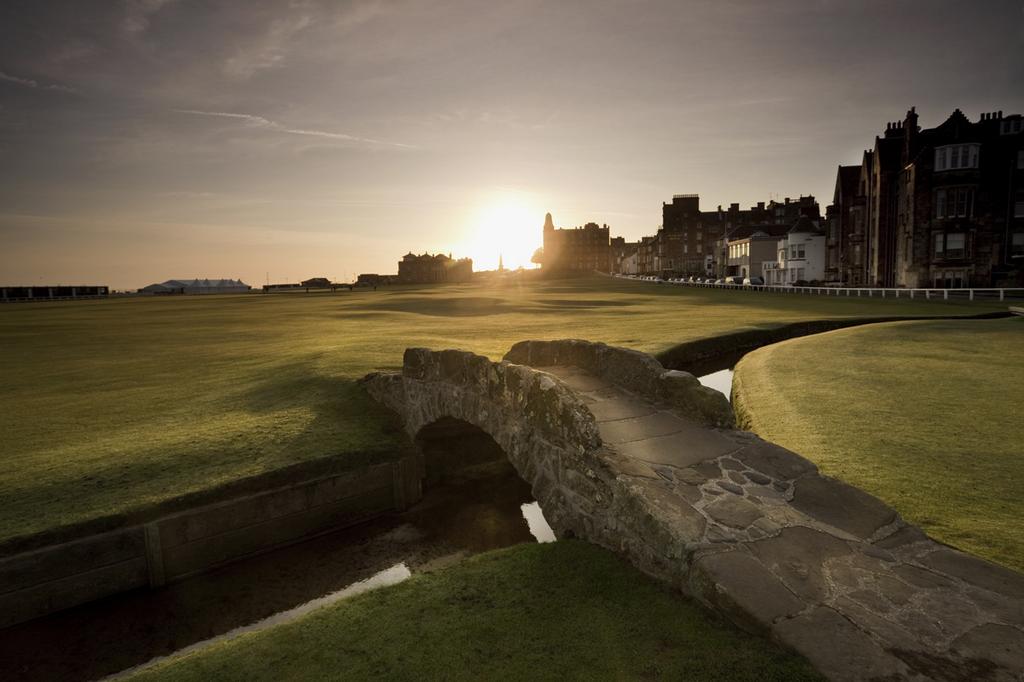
pixel 940 207
pixel 434 269
pixel 576 250
pixel 373 279
pixel 689 241
pixel 623 255
pixel 49 293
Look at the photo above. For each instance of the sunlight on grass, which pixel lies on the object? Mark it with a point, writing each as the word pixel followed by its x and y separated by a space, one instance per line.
pixel 925 415
pixel 112 405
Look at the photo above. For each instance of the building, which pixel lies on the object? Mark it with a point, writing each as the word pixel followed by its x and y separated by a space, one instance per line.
pixel 744 249
pixel 689 239
pixel 623 256
pixel 434 269
pixel 847 227
pixel 801 256
pixel 317 283
pixel 197 286
pixel 940 207
pixel 372 279
pixel 576 250
pixel 51 293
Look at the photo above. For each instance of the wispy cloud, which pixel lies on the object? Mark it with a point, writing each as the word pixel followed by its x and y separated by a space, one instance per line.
pixel 138 12
pixel 261 122
pixel 35 85
pixel 268 51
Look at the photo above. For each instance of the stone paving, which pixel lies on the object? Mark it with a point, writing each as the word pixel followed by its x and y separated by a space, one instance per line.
pixel 750 529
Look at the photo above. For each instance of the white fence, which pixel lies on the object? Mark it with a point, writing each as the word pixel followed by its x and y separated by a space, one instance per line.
pixel 864 292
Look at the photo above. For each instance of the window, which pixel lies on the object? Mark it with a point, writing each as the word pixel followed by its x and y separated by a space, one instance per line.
pixel 1020 159
pixel 956 156
pixel 700 248
pixel 1017 244
pixel 938 244
pixel 1018 209
pixel 954 202
pixel 955 245
pixel 1011 126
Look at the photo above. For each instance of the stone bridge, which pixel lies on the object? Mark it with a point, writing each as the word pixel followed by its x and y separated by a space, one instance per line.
pixel 648 463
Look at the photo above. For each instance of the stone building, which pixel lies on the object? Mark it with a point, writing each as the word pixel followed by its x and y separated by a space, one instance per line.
pixel 938 207
pixel 576 250
pixel 434 269
pixel 686 243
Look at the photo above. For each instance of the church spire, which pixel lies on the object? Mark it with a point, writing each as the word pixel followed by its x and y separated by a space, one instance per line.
pixel 501 264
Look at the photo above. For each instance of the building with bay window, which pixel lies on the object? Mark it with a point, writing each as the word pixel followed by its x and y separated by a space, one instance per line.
pixel 936 207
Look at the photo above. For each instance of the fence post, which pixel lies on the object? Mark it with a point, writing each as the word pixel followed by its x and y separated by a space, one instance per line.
pixel 1001 292
pixel 945 294
pixel 970 294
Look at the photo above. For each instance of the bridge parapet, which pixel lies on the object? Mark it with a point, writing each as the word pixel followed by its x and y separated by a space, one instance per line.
pixel 632 457
pixel 634 371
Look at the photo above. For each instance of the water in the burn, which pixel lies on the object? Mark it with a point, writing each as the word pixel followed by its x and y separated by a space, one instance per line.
pixel 481 509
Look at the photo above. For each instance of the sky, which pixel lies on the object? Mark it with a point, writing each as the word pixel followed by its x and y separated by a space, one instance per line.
pixel 144 140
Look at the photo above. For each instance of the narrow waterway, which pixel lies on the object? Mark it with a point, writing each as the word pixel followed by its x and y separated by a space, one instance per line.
pixel 717 373
pixel 484 508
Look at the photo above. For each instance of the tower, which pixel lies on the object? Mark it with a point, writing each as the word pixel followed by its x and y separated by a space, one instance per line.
pixel 501 264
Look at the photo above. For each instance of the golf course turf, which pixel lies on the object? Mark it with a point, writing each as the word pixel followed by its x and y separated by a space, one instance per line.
pixel 926 415
pixel 112 407
pixel 560 611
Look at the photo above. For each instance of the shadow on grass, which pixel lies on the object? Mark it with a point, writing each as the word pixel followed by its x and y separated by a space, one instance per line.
pixel 435 306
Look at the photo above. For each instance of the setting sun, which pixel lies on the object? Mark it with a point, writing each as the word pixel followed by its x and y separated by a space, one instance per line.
pixel 508 225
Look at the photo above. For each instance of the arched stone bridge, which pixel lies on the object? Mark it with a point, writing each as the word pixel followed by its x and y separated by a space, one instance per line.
pixel 647 462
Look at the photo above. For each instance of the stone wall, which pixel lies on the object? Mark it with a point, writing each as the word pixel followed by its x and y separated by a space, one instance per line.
pixel 632 370
pixel 176 546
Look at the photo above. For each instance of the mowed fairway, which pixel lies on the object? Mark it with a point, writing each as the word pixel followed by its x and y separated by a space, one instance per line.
pixel 925 415
pixel 111 407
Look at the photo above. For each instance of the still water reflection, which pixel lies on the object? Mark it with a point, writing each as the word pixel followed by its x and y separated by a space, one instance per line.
pixel 486 508
pixel 720 381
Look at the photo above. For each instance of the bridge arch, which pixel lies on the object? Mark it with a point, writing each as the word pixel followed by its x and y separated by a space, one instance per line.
pixel 745 526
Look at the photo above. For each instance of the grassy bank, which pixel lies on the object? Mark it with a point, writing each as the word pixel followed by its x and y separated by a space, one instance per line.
pixel 560 611
pixel 113 406
pixel 925 415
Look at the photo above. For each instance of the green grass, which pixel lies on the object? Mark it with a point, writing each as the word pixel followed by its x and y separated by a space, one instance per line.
pixel 112 407
pixel 925 415
pixel 562 611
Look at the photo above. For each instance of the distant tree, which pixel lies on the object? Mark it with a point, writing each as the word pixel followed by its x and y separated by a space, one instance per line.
pixel 538 256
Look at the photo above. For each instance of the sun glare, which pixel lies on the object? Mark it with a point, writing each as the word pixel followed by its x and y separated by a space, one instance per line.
pixel 508 226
